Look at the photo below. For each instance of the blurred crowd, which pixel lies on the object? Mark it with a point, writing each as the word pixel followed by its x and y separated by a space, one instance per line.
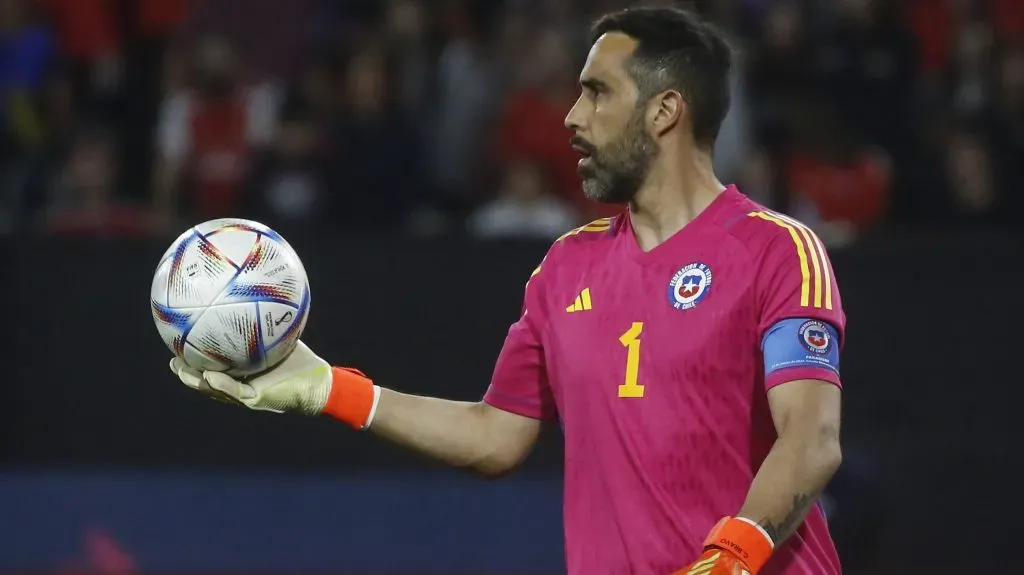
pixel 139 117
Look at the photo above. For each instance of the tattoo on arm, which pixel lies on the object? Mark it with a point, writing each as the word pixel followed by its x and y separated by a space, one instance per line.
pixel 780 530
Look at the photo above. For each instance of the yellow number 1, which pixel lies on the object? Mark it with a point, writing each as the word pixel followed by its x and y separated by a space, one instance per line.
pixel 631 341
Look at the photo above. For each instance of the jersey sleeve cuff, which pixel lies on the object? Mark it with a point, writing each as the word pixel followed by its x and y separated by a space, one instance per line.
pixel 785 375
pixel 515 405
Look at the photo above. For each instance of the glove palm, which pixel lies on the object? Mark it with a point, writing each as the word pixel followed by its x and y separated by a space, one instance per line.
pixel 301 384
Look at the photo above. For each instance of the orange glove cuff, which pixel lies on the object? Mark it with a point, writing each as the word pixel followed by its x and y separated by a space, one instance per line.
pixel 353 397
pixel 744 539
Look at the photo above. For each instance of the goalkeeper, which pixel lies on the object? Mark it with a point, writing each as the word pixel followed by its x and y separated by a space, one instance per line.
pixel 689 346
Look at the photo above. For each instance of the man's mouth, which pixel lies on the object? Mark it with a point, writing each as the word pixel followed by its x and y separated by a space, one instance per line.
pixel 584 150
pixel 581 147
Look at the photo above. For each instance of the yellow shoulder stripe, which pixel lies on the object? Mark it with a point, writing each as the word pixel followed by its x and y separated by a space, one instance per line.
pixel 806 243
pixel 600 225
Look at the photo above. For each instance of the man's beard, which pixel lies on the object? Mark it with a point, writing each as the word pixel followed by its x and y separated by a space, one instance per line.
pixel 614 174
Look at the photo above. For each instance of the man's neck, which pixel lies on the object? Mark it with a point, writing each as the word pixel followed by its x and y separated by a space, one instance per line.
pixel 672 196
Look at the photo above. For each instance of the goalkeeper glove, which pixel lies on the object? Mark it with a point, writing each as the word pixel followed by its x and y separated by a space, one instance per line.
pixel 735 546
pixel 302 383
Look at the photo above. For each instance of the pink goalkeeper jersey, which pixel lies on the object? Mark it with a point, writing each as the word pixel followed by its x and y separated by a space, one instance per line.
pixel 655 363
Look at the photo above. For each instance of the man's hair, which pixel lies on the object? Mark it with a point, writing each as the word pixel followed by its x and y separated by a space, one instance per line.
pixel 677 50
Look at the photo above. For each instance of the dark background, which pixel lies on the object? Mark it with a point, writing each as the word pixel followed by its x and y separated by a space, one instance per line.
pixel 413 153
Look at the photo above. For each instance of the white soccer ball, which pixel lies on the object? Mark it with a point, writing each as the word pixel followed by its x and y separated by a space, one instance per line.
pixel 230 295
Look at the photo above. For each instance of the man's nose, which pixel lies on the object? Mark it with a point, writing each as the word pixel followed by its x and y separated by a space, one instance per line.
pixel 573 120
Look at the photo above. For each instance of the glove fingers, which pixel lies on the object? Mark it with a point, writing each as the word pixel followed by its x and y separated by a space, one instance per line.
pixel 229 386
pixel 193 378
pixel 224 392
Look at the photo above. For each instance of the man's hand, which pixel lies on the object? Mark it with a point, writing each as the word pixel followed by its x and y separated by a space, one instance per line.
pixel 716 562
pixel 301 384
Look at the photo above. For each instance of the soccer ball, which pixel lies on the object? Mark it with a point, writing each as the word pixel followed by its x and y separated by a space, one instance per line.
pixel 230 295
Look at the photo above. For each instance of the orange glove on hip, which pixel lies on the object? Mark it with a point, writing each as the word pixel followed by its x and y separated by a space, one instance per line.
pixel 735 546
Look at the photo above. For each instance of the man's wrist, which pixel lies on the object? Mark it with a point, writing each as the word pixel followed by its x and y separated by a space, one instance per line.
pixel 744 538
pixel 353 397
pixel 757 526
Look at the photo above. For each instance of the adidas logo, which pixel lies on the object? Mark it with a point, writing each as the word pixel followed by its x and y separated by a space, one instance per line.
pixel 582 302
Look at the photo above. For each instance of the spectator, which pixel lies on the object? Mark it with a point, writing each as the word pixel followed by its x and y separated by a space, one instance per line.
pixel 867 64
pixel 1007 17
pixel 933 23
pixel 317 89
pixel 464 97
pixel 62 131
pixel 82 198
pixel 27 53
pixel 970 71
pixel 376 153
pixel 405 26
pixel 27 56
pixel 91 43
pixel 466 94
pixel 838 186
pixel 531 127
pixel 147 40
pixel 972 192
pixel 290 182
pixel 777 74
pixel 208 132
pixel 524 208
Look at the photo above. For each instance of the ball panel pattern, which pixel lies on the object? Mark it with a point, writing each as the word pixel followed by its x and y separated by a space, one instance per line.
pixel 228 333
pixel 199 273
pixel 230 295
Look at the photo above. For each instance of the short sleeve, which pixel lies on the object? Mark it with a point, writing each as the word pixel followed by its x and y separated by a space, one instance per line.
pixel 519 384
pixel 800 301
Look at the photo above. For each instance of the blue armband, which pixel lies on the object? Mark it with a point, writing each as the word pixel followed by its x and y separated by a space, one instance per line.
pixel 800 342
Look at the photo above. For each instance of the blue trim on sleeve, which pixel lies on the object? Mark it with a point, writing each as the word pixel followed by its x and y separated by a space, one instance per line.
pixel 800 342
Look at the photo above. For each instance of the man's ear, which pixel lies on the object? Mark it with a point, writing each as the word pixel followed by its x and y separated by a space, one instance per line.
pixel 665 111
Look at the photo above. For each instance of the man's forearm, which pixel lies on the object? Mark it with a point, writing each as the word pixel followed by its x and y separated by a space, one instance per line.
pixel 459 433
pixel 790 480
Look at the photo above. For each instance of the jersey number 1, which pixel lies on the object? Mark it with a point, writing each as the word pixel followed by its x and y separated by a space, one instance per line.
pixel 631 341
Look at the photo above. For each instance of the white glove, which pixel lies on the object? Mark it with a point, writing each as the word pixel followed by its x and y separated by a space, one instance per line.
pixel 300 384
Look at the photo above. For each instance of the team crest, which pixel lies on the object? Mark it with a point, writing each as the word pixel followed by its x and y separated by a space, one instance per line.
pixel 814 335
pixel 689 286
